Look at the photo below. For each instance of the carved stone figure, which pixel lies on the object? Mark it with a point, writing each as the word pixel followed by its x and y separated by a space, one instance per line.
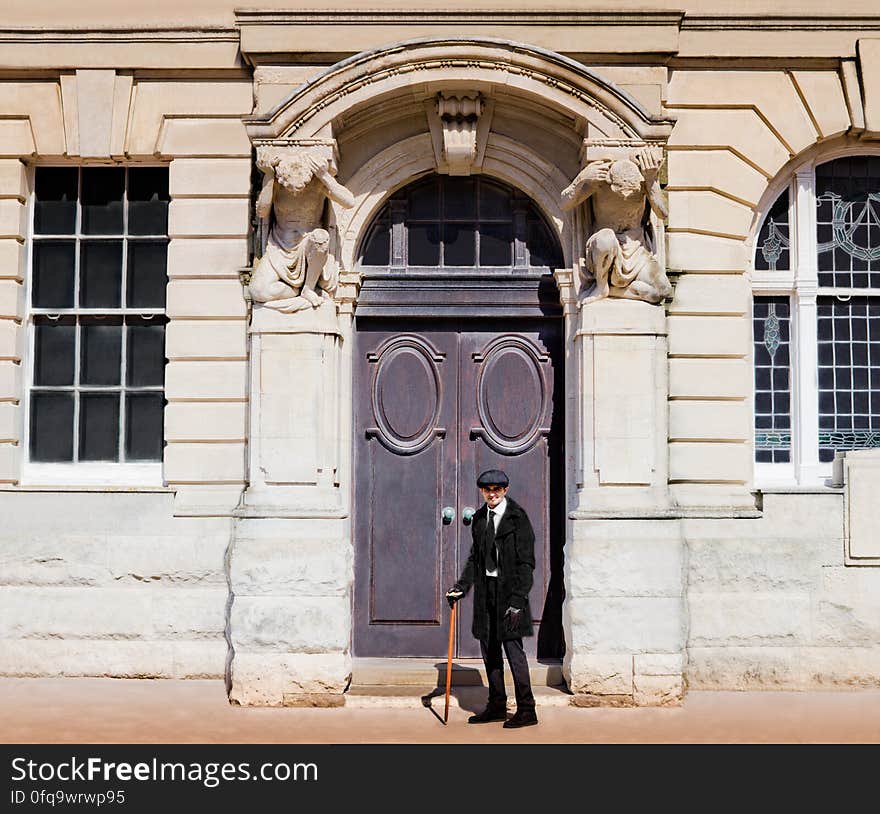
pixel 293 272
pixel 620 254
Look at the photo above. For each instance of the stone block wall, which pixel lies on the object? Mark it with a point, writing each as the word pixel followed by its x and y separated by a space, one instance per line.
pixel 290 613
pixel 110 584
pixel 771 605
pixel 624 614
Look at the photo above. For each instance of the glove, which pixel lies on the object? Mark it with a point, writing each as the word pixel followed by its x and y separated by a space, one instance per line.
pixel 512 617
pixel 453 595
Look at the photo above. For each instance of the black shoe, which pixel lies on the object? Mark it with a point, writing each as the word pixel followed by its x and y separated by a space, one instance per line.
pixel 488 715
pixel 522 717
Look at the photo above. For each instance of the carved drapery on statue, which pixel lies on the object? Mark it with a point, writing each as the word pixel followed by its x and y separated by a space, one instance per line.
pixel 620 187
pixel 298 268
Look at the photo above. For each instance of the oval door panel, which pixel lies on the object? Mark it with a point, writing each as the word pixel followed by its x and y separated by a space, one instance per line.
pixel 406 395
pixel 511 395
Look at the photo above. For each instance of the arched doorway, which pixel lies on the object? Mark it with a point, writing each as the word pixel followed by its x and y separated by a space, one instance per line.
pixel 457 366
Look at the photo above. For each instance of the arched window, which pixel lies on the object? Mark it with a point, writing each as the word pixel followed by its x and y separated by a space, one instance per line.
pixel 465 246
pixel 816 320
pixel 459 223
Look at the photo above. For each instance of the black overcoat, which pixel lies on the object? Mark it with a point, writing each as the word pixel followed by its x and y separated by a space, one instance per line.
pixel 516 547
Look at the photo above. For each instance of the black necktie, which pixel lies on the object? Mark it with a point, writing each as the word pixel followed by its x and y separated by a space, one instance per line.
pixel 491 562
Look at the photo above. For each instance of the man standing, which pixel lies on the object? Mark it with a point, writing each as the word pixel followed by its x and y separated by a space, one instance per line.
pixel 500 568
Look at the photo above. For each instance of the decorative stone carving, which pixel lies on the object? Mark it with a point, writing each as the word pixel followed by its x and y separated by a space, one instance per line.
pixel 459 125
pixel 620 184
pixel 297 270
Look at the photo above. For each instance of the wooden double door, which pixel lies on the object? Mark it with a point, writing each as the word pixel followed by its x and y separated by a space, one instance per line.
pixel 436 402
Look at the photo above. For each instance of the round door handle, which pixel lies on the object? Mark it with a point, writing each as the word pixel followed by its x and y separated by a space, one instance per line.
pixel 467 514
pixel 448 515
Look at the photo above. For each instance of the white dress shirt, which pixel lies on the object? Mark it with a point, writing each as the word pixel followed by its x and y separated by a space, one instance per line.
pixel 499 513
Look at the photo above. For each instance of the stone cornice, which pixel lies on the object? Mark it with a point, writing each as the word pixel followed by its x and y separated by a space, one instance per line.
pixel 86 35
pixel 558 17
pixel 707 22
pixel 452 17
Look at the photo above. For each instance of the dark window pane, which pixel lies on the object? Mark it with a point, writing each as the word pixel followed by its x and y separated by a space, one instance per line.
pixel 494 201
pixel 424 245
pixel 55 209
pixel 53 273
pixel 101 354
pixel 145 365
pixel 459 199
pixel 144 428
pixel 424 201
pixel 542 247
pixel 99 427
pixel 54 351
pixel 378 249
pixel 102 189
pixel 459 244
pixel 496 242
pixel 147 275
pixel 51 427
pixel 100 274
pixel 148 200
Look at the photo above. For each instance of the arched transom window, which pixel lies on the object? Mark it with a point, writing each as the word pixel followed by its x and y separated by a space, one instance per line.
pixel 816 320
pixel 459 246
pixel 460 223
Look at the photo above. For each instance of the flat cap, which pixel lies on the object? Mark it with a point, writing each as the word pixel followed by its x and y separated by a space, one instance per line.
pixel 492 477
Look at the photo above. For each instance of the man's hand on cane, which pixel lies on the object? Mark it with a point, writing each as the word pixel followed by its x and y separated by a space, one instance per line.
pixel 453 595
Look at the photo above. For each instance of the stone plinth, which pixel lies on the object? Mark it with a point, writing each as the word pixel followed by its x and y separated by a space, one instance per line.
pixel 624 414
pixel 294 422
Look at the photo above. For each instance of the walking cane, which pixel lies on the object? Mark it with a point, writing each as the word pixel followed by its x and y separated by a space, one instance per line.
pixel 449 662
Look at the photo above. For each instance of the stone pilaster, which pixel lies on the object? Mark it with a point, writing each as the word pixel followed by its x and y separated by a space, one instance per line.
pixel 624 617
pixel 290 564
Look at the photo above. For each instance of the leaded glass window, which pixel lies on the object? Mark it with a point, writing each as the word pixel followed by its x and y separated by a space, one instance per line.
pixel 97 311
pixel 772 335
pixel 848 222
pixel 820 299
pixel 849 374
pixel 774 248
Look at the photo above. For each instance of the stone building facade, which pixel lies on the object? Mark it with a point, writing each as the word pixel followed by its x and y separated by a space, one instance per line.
pixel 202 467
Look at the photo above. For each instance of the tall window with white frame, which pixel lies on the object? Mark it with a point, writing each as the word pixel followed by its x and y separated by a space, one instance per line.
pixel 816 321
pixel 97 317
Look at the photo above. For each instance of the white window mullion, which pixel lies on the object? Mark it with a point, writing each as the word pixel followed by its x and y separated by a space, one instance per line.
pixel 805 362
pixel 77 331
pixel 123 302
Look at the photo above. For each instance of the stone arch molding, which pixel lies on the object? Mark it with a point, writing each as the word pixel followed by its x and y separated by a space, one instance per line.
pixel 606 110
pixel 396 166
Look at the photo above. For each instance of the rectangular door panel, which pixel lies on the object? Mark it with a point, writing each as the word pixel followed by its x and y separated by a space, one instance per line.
pixel 405 393
pixel 509 376
pixel 404 539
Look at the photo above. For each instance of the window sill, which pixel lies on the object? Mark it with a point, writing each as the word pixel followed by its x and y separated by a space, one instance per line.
pixel 93 477
pixel 798 489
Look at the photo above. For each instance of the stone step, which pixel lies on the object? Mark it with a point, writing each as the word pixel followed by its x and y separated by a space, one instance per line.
pixel 471 698
pixel 426 673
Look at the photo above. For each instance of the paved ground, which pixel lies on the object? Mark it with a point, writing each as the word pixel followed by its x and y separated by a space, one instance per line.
pixel 94 710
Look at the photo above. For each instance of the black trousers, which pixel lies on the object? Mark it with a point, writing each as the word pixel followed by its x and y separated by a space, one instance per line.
pixel 516 659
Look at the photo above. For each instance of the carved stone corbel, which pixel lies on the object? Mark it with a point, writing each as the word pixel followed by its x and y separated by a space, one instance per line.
pixel 459 123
